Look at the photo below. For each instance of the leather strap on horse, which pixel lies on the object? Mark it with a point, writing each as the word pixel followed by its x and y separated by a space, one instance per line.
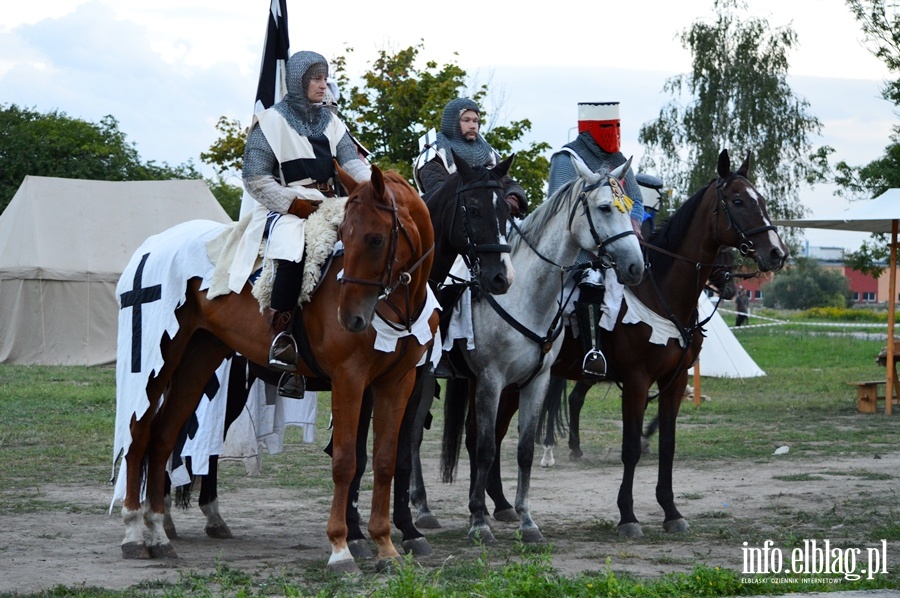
pixel 544 343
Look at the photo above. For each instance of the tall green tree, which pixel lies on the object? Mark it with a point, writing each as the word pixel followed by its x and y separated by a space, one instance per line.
pixel 399 101
pixel 54 144
pixel 880 22
pixel 736 97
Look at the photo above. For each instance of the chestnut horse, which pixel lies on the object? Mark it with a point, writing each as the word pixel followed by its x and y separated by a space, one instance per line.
pixel 730 212
pixel 388 251
pixel 469 217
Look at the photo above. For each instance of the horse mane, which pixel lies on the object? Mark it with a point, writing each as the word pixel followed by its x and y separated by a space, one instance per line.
pixel 670 235
pixel 538 218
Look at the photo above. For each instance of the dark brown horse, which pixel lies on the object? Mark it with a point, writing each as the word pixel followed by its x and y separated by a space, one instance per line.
pixel 729 211
pixel 568 367
pixel 388 250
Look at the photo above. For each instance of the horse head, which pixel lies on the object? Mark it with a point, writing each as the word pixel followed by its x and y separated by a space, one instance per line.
pixel 388 248
pixel 746 224
pixel 602 225
pixel 471 213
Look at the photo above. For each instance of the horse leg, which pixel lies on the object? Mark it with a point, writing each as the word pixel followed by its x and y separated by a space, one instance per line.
pixel 487 399
pixel 414 541
pixel 390 400
pixel 356 540
pixel 202 356
pixel 346 403
pixel 503 509
pixel 576 403
pixel 530 401
pixel 670 400
pixel 634 397
pixel 239 382
pixel 418 495
pixel 551 416
pixel 134 545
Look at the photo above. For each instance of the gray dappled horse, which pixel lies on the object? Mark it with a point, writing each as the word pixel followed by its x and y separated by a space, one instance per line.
pixel 518 335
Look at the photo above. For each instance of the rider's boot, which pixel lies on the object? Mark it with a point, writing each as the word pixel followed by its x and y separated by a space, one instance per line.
pixel 283 353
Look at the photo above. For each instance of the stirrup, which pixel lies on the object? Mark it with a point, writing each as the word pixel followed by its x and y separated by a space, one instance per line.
pixel 594 365
pixel 292 386
pixel 278 362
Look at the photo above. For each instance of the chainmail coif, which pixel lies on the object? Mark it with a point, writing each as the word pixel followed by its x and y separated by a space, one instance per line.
pixel 474 152
pixel 305 117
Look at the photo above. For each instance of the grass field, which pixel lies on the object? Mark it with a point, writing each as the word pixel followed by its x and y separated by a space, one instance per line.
pixel 58 421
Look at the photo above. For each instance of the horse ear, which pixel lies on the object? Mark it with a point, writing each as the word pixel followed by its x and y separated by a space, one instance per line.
pixel 745 167
pixel 347 181
pixel 465 171
pixel 582 170
pixel 502 169
pixel 724 167
pixel 377 181
pixel 619 172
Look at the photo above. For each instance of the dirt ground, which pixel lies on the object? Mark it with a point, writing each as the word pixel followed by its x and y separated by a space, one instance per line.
pixel 784 499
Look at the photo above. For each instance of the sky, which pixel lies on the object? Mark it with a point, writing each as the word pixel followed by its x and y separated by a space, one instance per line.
pixel 167 70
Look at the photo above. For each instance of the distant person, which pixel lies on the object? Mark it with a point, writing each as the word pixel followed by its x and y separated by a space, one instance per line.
pixel 742 307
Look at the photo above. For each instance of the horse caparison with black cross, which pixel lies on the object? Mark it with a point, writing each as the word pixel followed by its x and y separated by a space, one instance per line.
pixel 388 250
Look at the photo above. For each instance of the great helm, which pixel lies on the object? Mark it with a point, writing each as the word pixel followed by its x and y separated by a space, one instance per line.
pixel 601 120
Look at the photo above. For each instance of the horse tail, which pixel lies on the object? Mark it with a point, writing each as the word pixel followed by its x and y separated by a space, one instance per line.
pixel 456 402
pixel 554 418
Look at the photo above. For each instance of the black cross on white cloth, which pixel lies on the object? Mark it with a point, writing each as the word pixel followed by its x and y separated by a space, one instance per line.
pixel 319 168
pixel 134 298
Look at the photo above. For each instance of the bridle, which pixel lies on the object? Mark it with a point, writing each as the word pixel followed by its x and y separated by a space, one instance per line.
pixel 746 247
pixel 472 251
pixel 602 244
pixel 404 278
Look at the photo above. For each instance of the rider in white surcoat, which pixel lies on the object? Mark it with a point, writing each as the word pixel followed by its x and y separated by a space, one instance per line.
pixel 289 169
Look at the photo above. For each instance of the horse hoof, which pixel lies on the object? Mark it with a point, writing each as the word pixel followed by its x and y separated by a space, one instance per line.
pixel 417 547
pixel 676 526
pixel 135 550
pixel 631 530
pixel 576 454
pixel 348 566
pixel 359 549
pixel 506 515
pixel 388 565
pixel 219 532
pixel 482 536
pixel 531 535
pixel 428 521
pixel 163 551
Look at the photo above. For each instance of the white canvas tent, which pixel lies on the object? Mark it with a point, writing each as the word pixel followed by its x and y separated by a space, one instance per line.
pixel 722 355
pixel 879 215
pixel 63 245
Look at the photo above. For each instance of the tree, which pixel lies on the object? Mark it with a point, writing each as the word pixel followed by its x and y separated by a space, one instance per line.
pixel 740 101
pixel 396 104
pixel 880 23
pixel 399 102
pixel 54 144
pixel 806 284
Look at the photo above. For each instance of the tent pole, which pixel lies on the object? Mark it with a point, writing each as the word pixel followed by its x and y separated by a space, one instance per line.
pixel 892 298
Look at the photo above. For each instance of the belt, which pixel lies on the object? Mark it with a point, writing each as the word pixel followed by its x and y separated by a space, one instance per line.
pixel 324 187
